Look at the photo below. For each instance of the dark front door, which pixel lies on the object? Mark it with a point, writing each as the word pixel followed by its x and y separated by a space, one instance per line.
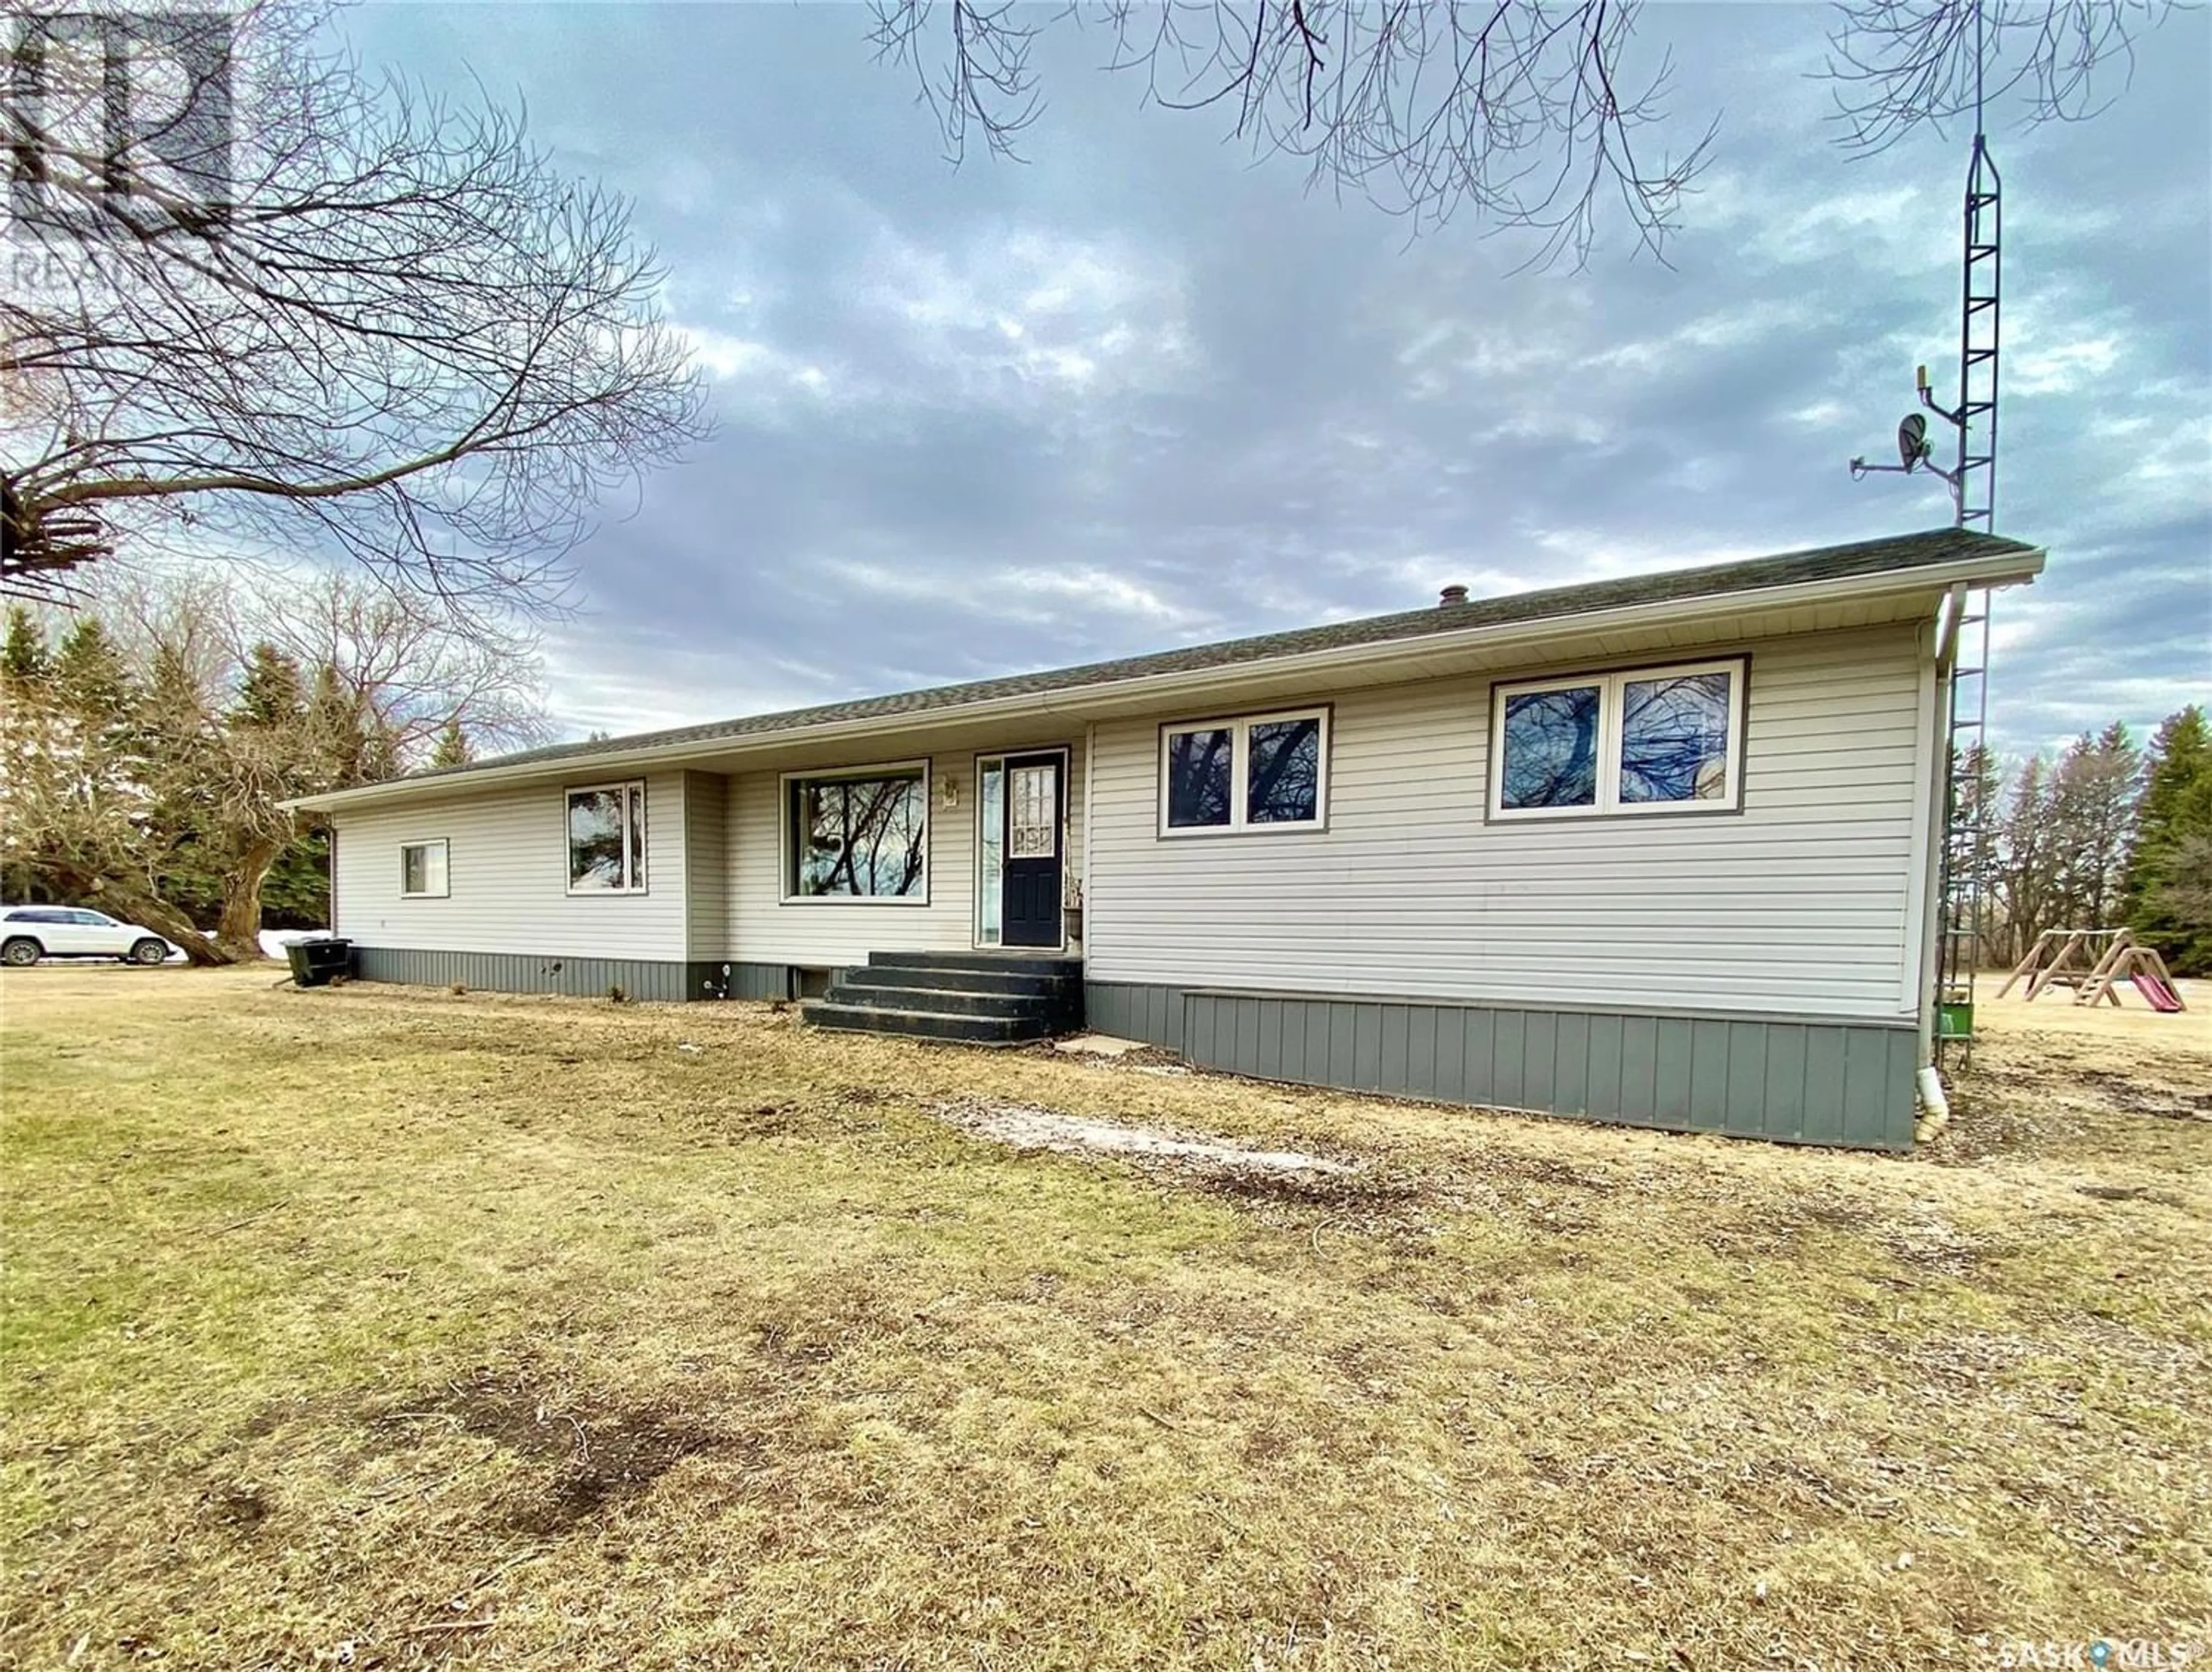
pixel 1031 900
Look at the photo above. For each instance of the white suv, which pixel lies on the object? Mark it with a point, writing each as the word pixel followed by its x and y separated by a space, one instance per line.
pixel 28 934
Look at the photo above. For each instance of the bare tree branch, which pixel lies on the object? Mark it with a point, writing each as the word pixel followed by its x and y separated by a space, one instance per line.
pixel 1523 112
pixel 1899 65
pixel 1516 110
pixel 373 320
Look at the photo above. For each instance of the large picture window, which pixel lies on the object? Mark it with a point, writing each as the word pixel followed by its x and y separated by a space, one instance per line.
pixel 1650 740
pixel 1264 772
pixel 858 836
pixel 606 839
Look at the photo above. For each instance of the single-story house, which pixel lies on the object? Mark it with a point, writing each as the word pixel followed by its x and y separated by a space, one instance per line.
pixel 1662 850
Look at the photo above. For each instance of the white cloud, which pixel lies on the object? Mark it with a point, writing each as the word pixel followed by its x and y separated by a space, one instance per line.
pixel 1599 554
pixel 1026 593
pixel 1096 589
pixel 1900 228
pixel 1716 332
pixel 761 372
pixel 2068 367
pixel 1031 316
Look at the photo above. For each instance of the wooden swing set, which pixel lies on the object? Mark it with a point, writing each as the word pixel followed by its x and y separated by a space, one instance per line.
pixel 2109 956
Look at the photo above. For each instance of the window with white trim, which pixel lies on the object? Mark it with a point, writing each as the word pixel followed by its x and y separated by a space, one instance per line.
pixel 606 838
pixel 1644 740
pixel 859 835
pixel 1262 772
pixel 422 870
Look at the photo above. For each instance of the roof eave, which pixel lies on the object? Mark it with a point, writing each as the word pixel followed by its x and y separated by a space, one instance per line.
pixel 1997 570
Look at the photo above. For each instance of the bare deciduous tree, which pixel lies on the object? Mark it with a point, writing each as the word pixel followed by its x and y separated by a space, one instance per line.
pixel 412 668
pixel 1525 113
pixel 306 303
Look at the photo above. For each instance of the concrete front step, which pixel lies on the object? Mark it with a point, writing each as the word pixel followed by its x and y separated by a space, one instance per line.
pixel 977 998
pixel 1006 963
pixel 922 1023
pixel 1018 983
pixel 854 987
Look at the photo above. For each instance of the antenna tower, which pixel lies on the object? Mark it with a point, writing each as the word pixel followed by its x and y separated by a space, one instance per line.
pixel 1972 480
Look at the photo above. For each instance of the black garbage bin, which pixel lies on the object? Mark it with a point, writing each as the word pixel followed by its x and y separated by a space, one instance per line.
pixel 315 961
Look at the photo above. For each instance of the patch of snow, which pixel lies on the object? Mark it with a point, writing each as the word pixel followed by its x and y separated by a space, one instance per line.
pixel 1026 1127
pixel 1098 1044
pixel 274 941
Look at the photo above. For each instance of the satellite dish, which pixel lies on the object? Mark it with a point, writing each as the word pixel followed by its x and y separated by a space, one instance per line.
pixel 1912 440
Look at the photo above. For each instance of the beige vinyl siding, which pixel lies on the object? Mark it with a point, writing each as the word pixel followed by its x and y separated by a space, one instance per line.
pixel 507 869
pixel 826 933
pixel 706 865
pixel 1799 904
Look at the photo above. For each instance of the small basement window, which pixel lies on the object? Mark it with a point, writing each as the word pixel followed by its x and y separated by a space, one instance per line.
pixel 1646 740
pixel 861 835
pixel 1264 772
pixel 422 870
pixel 606 838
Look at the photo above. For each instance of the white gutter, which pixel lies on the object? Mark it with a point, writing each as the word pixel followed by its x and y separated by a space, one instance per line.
pixel 2011 566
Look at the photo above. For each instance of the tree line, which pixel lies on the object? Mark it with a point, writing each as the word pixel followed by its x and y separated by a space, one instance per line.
pixel 152 734
pixel 2107 834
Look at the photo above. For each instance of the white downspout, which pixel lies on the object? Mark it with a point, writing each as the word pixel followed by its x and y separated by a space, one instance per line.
pixel 1934 1107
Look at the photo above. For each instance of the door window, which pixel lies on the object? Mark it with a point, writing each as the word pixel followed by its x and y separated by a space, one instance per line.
pixel 1033 812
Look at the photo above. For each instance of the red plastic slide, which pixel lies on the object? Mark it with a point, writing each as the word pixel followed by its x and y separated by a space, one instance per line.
pixel 2156 993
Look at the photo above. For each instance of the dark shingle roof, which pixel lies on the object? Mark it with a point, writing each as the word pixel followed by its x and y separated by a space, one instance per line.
pixel 1899 553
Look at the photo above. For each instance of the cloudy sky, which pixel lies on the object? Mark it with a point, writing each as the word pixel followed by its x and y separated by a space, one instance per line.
pixel 1136 390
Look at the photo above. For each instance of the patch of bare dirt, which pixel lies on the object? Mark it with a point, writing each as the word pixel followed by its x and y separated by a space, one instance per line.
pixel 1139 1058
pixel 587 1457
pixel 1027 1126
pixel 1359 1195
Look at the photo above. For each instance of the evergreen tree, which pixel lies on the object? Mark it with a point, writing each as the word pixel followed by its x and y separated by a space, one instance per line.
pixel 2169 869
pixel 25 717
pixel 296 895
pixel 453 746
pixel 350 744
pixel 90 679
pixel 175 729
pixel 24 655
pixel 271 694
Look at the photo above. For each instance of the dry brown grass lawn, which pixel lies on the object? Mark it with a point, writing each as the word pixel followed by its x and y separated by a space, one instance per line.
pixel 390 1328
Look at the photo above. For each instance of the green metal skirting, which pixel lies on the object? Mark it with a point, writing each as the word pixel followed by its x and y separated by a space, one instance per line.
pixel 648 979
pixel 727 978
pixel 1807 1081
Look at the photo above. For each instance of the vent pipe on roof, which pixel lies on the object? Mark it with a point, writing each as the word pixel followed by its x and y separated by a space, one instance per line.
pixel 1451 595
